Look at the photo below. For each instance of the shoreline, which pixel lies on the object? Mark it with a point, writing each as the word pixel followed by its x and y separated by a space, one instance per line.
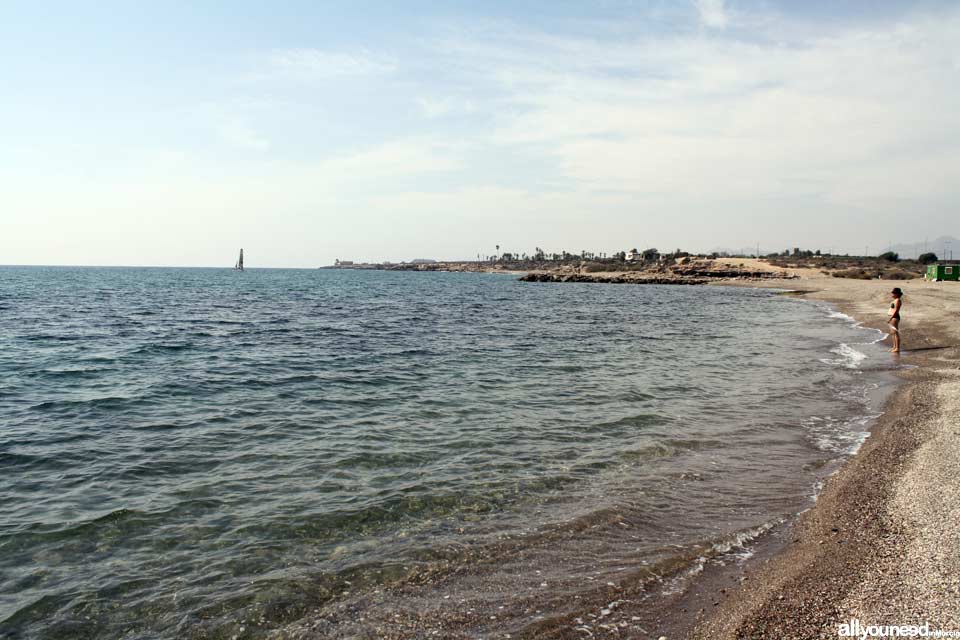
pixel 802 572
pixel 844 558
pixel 838 559
pixel 717 596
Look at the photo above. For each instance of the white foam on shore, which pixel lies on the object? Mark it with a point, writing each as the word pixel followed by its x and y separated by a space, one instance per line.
pixel 846 435
pixel 817 489
pixel 849 358
pixel 840 316
pixel 839 436
pixel 737 548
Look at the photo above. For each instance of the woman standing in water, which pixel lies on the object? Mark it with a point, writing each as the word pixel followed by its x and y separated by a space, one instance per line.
pixel 895 306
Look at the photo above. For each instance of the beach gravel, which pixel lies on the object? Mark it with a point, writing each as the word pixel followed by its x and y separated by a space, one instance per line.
pixel 919 579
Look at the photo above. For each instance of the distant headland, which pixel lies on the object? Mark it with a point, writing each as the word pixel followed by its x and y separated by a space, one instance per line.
pixel 651 266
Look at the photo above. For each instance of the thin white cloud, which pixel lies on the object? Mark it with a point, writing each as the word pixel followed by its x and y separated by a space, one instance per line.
pixel 446 106
pixel 394 158
pixel 713 13
pixel 239 133
pixel 325 64
pixel 708 118
pixel 798 135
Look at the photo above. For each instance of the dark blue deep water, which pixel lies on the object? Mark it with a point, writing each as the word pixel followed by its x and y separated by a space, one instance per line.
pixel 191 453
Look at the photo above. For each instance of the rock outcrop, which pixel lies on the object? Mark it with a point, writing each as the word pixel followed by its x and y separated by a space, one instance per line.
pixel 612 279
pixel 691 273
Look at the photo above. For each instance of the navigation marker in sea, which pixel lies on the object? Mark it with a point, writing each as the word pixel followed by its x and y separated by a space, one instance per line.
pixel 239 265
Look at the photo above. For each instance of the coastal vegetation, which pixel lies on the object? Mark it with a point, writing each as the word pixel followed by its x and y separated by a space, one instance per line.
pixel 886 266
pixel 652 265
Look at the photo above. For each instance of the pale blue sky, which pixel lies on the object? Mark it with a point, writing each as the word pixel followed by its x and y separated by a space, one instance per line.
pixel 175 133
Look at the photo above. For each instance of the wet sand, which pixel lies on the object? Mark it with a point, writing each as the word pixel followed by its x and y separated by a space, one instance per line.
pixel 882 544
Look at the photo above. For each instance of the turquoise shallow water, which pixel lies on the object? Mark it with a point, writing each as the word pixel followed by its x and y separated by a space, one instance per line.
pixel 207 453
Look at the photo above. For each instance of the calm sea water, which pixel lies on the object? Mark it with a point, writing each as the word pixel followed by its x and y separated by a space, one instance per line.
pixel 208 453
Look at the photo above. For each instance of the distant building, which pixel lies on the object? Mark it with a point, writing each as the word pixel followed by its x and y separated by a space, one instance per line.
pixel 633 255
pixel 423 261
pixel 938 272
pixel 343 263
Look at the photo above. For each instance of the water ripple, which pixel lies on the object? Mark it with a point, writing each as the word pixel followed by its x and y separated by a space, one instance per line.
pixel 189 451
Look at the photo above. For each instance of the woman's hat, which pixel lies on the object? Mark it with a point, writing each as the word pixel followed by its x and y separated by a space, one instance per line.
pixel 896 291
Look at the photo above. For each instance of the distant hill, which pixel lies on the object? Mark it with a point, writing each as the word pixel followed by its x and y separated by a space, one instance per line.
pixel 942 246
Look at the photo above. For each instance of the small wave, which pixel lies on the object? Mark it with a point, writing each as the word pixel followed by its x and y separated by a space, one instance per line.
pixel 817 489
pixel 67 373
pixel 37 533
pixel 858 393
pixel 636 396
pixel 661 449
pixel 278 381
pixel 167 468
pixel 55 337
pixel 20 461
pixel 107 402
pixel 118 523
pixel 842 436
pixel 98 358
pixel 43 607
pixel 629 423
pixel 73 373
pixel 849 358
pixel 163 348
pixel 840 316
pixel 737 547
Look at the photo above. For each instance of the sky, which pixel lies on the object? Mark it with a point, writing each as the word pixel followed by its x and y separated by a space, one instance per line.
pixel 175 133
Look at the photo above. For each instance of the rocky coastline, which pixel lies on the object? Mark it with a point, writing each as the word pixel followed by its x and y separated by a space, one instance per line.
pixel 697 273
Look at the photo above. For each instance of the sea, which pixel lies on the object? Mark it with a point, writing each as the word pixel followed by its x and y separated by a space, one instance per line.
pixel 210 453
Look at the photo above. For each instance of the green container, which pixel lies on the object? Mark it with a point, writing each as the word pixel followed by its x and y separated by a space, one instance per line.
pixel 943 272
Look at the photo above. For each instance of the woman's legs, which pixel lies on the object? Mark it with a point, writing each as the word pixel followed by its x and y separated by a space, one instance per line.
pixel 895 334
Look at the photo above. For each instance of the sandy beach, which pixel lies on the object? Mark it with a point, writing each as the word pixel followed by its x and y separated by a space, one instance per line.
pixel 882 544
